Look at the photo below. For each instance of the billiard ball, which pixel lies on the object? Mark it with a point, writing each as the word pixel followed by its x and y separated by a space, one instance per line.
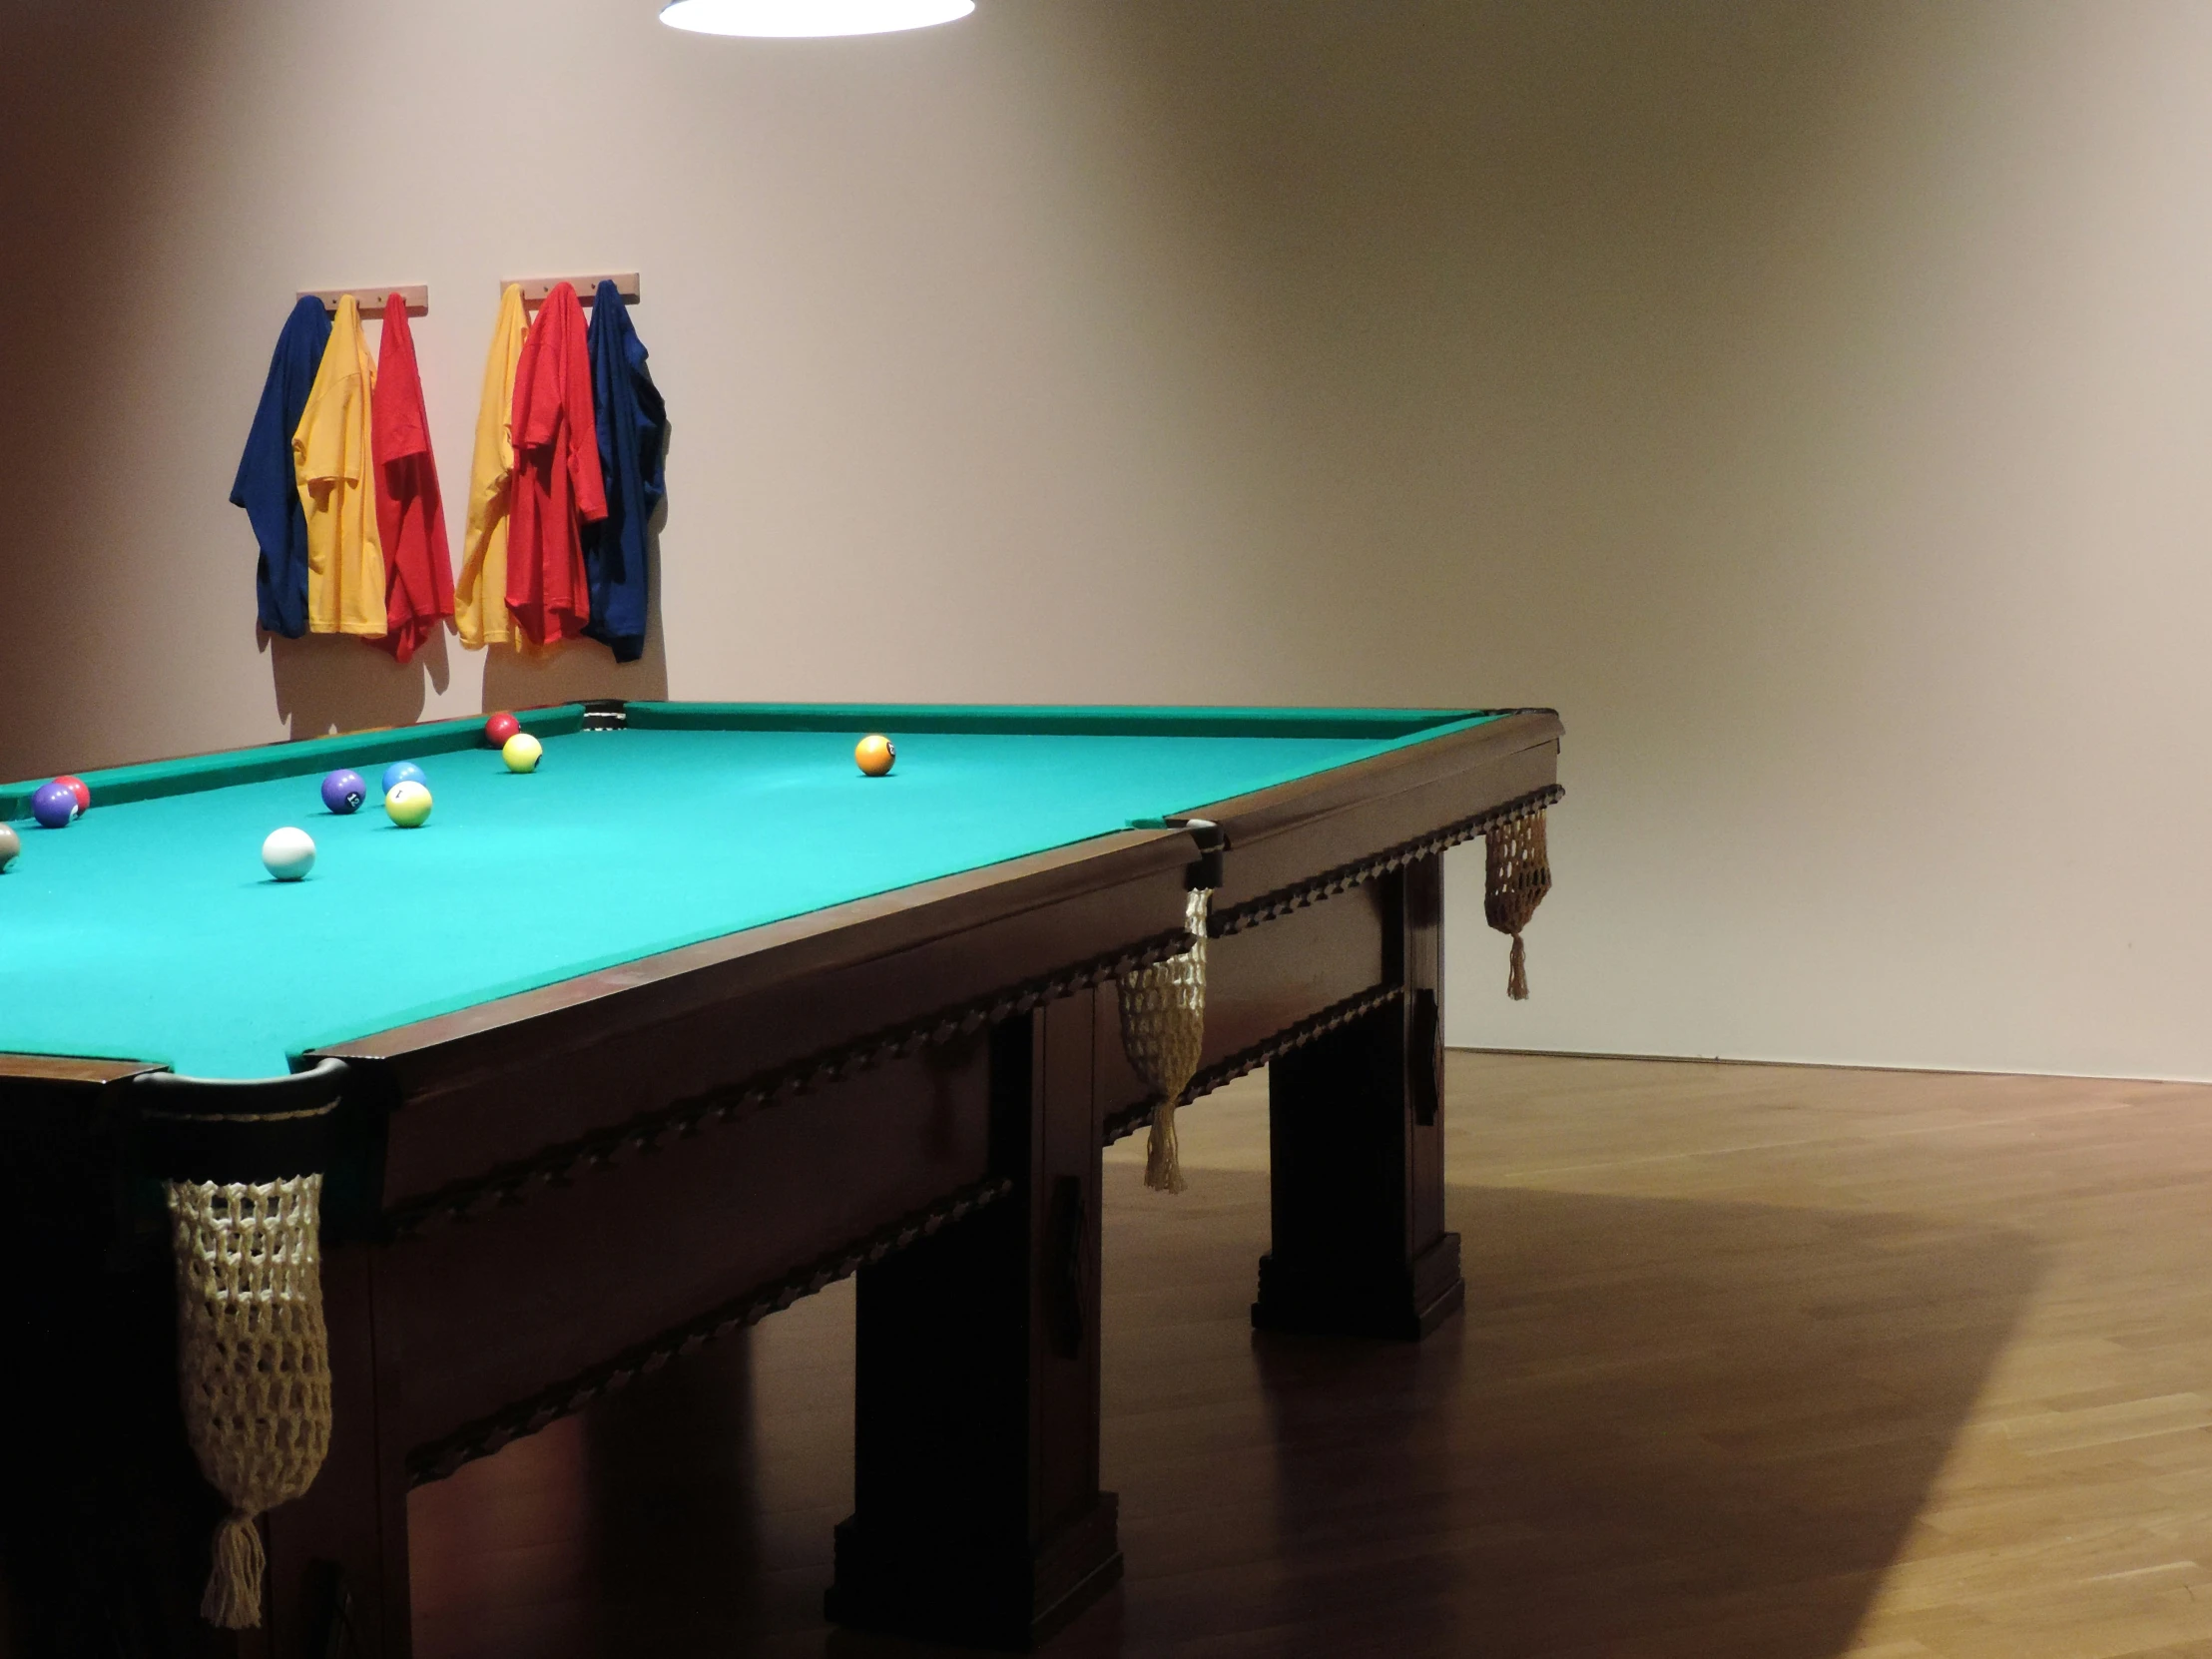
pixel 55 804
pixel 499 729
pixel 288 853
pixel 521 752
pixel 874 754
pixel 343 791
pixel 404 771
pixel 76 787
pixel 408 803
pixel 11 845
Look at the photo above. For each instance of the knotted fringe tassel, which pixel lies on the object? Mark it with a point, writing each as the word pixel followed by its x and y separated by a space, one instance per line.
pixel 1162 1161
pixel 253 1361
pixel 1517 875
pixel 1163 1031
pixel 233 1599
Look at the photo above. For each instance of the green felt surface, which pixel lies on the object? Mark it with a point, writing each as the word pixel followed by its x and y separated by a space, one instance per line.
pixel 148 930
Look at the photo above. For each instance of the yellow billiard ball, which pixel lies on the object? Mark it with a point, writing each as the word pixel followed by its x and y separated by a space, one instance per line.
pixel 521 753
pixel 408 803
pixel 874 754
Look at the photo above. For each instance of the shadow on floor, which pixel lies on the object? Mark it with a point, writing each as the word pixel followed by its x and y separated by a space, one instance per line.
pixel 1663 1427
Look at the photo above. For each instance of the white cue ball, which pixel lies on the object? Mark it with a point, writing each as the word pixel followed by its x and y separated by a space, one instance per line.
pixel 288 854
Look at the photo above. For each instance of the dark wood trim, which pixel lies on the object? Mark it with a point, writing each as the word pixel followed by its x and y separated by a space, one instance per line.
pixel 1363 785
pixel 1291 854
pixel 727 1103
pixel 1245 1061
pixel 62 1068
pixel 977 1516
pixel 454 1049
pixel 1281 902
pixel 482 1439
pixel 1356 1153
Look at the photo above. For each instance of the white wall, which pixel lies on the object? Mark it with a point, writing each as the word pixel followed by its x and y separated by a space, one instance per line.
pixel 1811 401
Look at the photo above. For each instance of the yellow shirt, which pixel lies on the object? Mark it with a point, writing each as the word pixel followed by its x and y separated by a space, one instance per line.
pixel 480 596
pixel 330 459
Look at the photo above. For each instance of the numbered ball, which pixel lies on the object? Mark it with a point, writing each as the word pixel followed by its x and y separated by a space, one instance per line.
pixel 874 754
pixel 404 771
pixel 499 729
pixel 11 845
pixel 343 791
pixel 521 753
pixel 288 853
pixel 55 804
pixel 78 788
pixel 408 803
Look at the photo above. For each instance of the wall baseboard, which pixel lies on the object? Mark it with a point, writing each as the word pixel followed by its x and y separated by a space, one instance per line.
pixel 1825 1066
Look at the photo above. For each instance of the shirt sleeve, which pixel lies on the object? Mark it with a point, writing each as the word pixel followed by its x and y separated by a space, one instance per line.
pixel 323 447
pixel 537 406
pixel 583 447
pixel 399 415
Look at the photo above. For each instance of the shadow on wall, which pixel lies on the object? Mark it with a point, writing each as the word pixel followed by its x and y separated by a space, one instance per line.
pixel 328 683
pixel 89 104
pixel 586 668
pixel 1451 253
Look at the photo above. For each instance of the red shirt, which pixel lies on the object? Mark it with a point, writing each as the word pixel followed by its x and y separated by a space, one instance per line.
pixel 411 518
pixel 556 477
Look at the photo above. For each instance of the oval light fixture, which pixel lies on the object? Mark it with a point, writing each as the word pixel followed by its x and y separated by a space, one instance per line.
pixel 800 19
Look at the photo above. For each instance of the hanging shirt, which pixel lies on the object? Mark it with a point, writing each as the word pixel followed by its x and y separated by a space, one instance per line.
pixel 266 486
pixel 411 517
pixel 480 600
pixel 556 481
pixel 331 458
pixel 632 438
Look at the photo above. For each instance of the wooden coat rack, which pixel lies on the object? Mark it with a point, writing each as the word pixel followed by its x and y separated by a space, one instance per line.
pixel 535 289
pixel 372 301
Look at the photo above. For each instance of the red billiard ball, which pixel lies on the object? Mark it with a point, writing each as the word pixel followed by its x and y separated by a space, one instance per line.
pixel 499 729
pixel 76 787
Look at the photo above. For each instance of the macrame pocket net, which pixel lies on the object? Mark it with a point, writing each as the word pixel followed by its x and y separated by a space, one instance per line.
pixel 1516 877
pixel 253 1361
pixel 1163 1030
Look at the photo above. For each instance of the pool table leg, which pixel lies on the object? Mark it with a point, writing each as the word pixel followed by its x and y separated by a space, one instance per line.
pixel 1356 1132
pixel 977 1517
pixel 339 1554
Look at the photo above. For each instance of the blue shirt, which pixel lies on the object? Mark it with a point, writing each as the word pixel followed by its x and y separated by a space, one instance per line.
pixel 265 487
pixel 633 444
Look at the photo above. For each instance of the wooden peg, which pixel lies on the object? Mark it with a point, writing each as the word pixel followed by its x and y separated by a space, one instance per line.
pixel 535 289
pixel 417 296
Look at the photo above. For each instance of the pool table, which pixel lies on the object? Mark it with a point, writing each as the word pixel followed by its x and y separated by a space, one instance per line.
pixel 614 1057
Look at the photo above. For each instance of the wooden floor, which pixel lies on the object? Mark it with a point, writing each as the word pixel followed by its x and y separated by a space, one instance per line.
pixel 1765 1361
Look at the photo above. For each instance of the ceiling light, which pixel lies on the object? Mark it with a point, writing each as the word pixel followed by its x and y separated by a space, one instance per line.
pixel 793 19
